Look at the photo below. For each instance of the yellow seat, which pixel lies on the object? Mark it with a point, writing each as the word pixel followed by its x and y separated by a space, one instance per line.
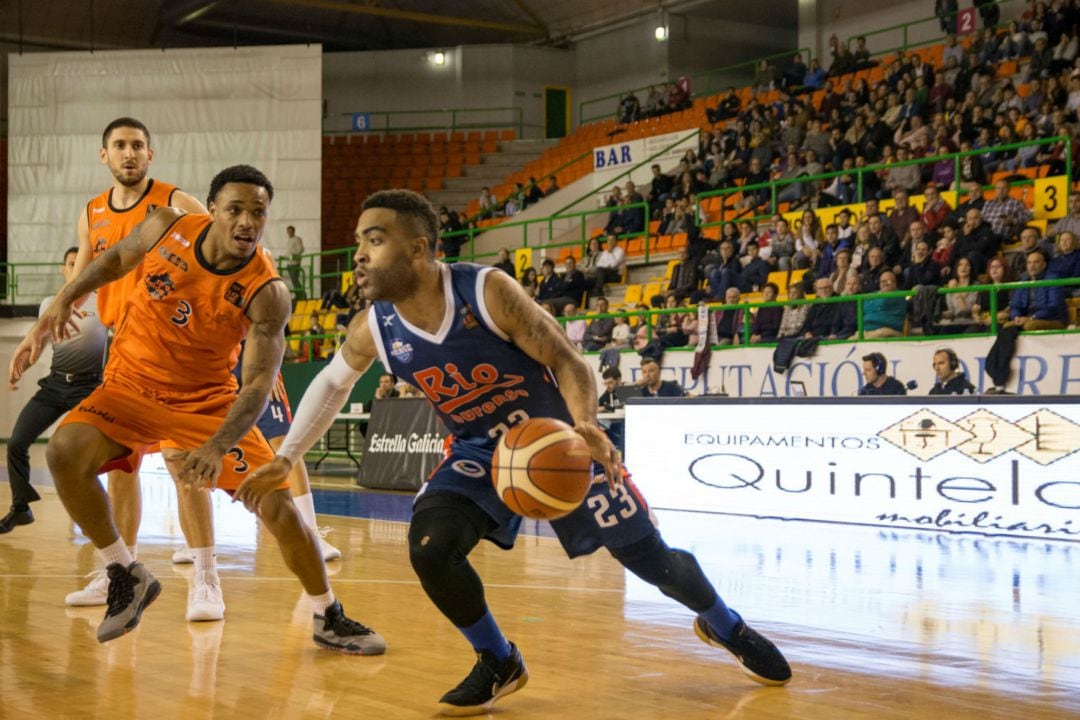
pixel 633 295
pixel 346 281
pixel 780 279
pixel 670 269
pixel 651 290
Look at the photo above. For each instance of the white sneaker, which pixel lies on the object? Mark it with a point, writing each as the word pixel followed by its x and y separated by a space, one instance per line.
pixel 183 556
pixel 329 552
pixel 96 591
pixel 204 601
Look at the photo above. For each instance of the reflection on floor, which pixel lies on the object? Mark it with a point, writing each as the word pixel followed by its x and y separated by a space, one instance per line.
pixel 878 624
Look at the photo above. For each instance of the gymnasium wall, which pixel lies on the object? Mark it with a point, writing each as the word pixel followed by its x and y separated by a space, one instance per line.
pixel 206 108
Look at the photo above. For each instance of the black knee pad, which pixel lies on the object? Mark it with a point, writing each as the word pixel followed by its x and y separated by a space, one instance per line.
pixel 439 537
pixel 675 573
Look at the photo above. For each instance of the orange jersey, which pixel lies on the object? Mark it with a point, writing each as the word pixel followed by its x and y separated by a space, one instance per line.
pixel 180 327
pixel 109 226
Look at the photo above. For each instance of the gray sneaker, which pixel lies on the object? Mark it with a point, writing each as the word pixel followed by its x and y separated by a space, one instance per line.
pixel 335 631
pixel 131 590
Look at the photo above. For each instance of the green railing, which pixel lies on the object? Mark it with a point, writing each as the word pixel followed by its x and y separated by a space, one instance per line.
pixel 992 327
pixel 774 186
pixel 314 269
pixel 544 229
pixel 451 119
pixel 31 282
pixel 700 85
pixel 905 30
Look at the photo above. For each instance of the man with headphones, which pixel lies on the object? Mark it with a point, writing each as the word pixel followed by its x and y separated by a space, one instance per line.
pixel 950 379
pixel 877 382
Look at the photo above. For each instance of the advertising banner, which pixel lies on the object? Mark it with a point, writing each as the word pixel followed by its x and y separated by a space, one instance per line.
pixel 611 161
pixel 404 444
pixel 1043 365
pixel 997 467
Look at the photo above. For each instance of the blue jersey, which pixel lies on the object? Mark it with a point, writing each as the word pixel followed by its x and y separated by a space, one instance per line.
pixel 276 418
pixel 480 384
pixel 477 380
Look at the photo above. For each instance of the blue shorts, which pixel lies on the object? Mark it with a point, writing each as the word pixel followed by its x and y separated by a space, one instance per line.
pixel 606 518
pixel 275 420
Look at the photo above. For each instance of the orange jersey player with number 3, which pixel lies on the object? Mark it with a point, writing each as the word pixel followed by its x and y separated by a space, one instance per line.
pixel 204 283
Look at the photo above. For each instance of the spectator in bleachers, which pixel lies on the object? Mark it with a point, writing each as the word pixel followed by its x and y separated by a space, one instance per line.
pixel 726 272
pixel 593 250
pixel 764 76
pixel 794 76
pixel 1071 222
pixel 881 235
pixel 294 250
pixel 574 282
pixel 903 177
pixel 793 318
pixel 685 277
pixel 552 289
pixel 1038 308
pixel 861 55
pixel 652 385
pixel 1066 262
pixel 659 189
pixel 977 241
pixel 755 270
pixel 529 282
pixel 846 322
pixel 903 214
pixel 533 193
pixel 883 316
pixel 922 271
pixel 575 328
pixel 729 322
pixel 727 108
pixel 512 206
pixel 620 334
pixel 989 12
pixel 669 327
pixel 997 269
pixel 629 108
pixel 747 232
pixel 386 388
pixel 450 244
pixel 489 206
pixel 839 271
pixel 945 11
pixel 1030 241
pixel 654 102
pixel 958 316
pixel 678 98
pixel 843 61
pixel 615 218
pixel 943 174
pixel 953 50
pixel 755 175
pixel 553 186
pixel 822 316
pixel 599 331
pixel 505 264
pixel 935 210
pixel 860 249
pixel 826 261
pixel 766 324
pixel 633 219
pixel 944 253
pixel 610 265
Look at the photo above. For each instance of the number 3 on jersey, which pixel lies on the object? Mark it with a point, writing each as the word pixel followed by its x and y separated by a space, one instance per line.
pixel 183 312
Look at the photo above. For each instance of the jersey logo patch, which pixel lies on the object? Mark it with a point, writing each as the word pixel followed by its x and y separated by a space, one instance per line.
pixel 388 320
pixel 235 295
pixel 99 246
pixel 468 319
pixel 172 258
pixel 401 350
pixel 150 208
pixel 100 224
pixel 159 286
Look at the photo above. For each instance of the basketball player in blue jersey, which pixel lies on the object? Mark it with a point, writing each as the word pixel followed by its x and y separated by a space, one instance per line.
pixel 486 356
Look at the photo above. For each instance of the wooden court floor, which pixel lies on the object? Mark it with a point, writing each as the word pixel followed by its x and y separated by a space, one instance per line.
pixel 876 625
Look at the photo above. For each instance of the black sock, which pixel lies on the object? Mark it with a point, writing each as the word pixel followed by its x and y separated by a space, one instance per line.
pixel 20 507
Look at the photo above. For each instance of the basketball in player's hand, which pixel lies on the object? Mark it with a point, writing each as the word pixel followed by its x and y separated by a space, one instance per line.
pixel 542 469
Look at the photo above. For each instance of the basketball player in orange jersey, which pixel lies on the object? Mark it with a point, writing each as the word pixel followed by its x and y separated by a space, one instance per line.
pixel 204 283
pixel 488 357
pixel 107 219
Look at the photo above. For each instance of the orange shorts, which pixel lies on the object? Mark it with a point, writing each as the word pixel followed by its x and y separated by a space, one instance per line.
pixel 141 418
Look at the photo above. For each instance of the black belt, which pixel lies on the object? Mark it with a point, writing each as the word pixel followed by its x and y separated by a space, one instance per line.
pixel 72 378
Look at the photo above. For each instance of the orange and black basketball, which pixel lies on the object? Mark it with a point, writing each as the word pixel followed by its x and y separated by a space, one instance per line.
pixel 542 469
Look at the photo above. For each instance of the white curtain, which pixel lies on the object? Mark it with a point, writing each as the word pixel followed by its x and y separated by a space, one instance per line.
pixel 206 109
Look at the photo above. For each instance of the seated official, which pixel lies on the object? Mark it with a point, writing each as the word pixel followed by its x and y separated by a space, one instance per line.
pixel 652 385
pixel 877 382
pixel 950 380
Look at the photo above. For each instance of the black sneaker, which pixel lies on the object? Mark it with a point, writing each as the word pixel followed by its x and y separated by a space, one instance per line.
pixel 335 631
pixel 131 590
pixel 488 681
pixel 757 657
pixel 15 517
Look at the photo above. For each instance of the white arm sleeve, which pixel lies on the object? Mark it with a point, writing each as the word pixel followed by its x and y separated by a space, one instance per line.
pixel 322 401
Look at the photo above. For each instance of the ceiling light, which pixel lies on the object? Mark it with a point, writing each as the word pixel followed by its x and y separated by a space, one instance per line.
pixel 660 33
pixel 438 58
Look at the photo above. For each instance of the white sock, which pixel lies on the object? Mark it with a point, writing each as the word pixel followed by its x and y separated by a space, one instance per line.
pixel 116 553
pixel 205 563
pixel 134 550
pixel 306 505
pixel 321 602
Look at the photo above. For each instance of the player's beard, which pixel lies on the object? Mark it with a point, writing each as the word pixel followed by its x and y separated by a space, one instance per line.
pixel 129 181
pixel 390 284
